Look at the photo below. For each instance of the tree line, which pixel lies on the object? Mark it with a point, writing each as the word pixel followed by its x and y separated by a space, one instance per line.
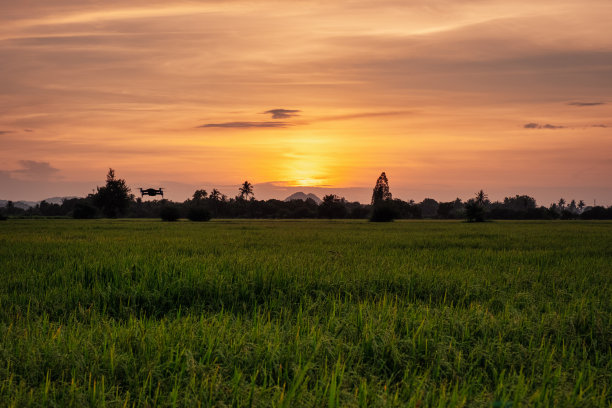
pixel 114 199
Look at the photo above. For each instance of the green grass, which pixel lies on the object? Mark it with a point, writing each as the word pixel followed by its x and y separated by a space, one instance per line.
pixel 123 313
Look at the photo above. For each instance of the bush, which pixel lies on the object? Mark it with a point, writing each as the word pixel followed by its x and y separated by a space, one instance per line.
pixel 84 211
pixel 383 212
pixel 198 214
pixel 169 213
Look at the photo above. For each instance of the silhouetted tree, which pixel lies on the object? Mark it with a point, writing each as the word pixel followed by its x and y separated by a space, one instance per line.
pixel 474 212
pixel 381 189
pixel 581 205
pixel 245 190
pixel 481 198
pixel 114 198
pixel 332 207
pixel 429 208
pixel 199 195
pixel 562 204
pixel 215 195
pixel 475 207
pixel 383 211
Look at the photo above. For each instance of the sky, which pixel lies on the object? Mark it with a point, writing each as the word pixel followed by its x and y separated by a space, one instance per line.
pixel 447 97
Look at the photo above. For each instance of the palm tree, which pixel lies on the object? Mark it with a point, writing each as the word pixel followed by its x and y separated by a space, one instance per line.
pixel 481 198
pixel 562 203
pixel 246 190
pixel 215 195
pixel 581 205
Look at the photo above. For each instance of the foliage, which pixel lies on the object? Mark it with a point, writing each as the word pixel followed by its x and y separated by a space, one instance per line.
pixel 474 212
pixel 169 213
pixel 381 189
pixel 305 313
pixel 332 207
pixel 199 195
pixel 198 213
pixel 114 198
pixel 84 210
pixel 383 211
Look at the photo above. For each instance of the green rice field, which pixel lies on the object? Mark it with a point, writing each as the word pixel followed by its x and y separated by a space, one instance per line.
pixel 317 313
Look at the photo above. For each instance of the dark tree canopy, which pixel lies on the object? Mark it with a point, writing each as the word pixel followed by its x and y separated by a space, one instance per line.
pixel 199 195
pixel 381 190
pixel 114 198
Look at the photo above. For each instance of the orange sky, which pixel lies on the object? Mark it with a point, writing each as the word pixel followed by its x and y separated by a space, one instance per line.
pixel 447 97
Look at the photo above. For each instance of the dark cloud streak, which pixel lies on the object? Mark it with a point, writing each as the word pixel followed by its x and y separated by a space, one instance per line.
pixel 282 113
pixel 586 103
pixel 246 125
pixel 538 126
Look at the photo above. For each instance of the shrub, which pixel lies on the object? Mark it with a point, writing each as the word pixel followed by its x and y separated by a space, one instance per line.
pixel 198 214
pixel 169 213
pixel 84 211
pixel 383 212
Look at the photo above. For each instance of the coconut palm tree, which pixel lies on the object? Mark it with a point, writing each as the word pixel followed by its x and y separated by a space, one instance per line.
pixel 481 198
pixel 215 195
pixel 246 190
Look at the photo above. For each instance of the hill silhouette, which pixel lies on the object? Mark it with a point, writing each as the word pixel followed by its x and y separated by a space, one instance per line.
pixel 303 196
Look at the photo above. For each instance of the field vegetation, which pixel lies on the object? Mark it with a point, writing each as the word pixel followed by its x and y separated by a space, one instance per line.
pixel 123 313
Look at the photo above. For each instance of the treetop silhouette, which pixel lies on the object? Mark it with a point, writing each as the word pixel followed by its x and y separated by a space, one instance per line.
pixel 381 189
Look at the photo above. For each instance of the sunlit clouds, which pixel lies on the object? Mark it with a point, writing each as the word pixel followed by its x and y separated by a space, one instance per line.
pixel 447 97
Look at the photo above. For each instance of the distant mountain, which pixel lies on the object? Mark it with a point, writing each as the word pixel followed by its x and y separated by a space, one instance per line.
pixel 303 197
pixel 58 200
pixel 27 204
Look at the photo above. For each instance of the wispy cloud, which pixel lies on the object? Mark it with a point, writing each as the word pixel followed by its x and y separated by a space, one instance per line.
pixel 586 103
pixel 533 125
pixel 246 125
pixel 283 113
pixel 5 132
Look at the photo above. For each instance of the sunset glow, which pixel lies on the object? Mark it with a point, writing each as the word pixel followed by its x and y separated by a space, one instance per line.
pixel 446 97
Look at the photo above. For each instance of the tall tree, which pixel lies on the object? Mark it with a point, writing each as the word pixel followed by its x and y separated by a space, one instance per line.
pixel 481 198
pixel 381 189
pixel 114 198
pixel 245 190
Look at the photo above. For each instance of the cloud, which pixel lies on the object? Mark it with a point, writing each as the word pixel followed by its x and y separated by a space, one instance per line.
pixel 538 126
pixel 32 169
pixel 600 126
pixel 5 132
pixel 586 103
pixel 282 113
pixel 363 115
pixel 246 125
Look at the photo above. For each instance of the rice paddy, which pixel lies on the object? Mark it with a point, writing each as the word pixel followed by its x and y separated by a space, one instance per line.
pixel 122 313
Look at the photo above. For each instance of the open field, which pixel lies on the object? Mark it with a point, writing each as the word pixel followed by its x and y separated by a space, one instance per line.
pixel 305 313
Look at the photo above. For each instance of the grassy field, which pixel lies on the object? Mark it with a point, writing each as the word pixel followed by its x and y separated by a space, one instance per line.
pixel 305 313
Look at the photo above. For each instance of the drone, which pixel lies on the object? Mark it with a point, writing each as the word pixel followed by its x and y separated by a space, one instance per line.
pixel 151 192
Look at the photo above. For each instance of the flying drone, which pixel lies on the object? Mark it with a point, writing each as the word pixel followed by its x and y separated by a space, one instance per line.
pixel 151 192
